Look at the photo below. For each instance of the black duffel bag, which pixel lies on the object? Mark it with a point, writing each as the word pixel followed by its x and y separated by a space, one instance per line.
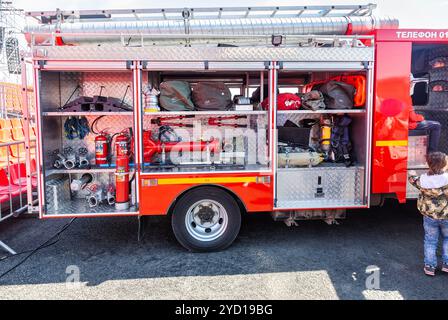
pixel 211 96
pixel 337 94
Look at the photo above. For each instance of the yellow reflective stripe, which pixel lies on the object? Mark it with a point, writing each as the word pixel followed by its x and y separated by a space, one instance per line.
pixel 392 143
pixel 166 181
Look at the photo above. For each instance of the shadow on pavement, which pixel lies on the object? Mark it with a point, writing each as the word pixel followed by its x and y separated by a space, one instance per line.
pixel 107 249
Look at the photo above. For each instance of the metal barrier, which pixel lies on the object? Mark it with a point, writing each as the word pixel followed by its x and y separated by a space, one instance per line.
pixel 18 166
pixel 13 181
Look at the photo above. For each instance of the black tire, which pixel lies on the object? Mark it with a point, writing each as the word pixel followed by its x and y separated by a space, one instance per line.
pixel 190 198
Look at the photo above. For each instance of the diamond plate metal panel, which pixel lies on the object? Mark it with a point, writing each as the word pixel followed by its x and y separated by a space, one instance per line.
pixel 52 89
pixel 60 200
pixel 57 191
pixel 115 84
pixel 80 206
pixel 111 124
pixel 205 53
pixel 104 179
pixel 57 87
pixel 340 187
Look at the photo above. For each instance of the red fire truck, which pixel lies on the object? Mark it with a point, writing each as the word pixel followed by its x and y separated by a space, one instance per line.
pixel 110 141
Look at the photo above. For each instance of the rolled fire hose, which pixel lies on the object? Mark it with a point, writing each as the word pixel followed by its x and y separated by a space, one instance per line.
pixel 299 159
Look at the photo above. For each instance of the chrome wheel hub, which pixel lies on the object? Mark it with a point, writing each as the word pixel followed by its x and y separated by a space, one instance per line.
pixel 206 220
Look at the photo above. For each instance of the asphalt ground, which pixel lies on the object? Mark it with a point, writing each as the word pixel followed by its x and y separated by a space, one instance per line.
pixel 267 261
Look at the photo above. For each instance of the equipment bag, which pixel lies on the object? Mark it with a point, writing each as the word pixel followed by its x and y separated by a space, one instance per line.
pixel 313 100
pixel 337 94
pixel 175 96
pixel 341 147
pixel 360 84
pixel 212 96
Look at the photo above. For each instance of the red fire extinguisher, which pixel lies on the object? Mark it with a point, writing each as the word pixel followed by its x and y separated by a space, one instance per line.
pixel 122 183
pixel 102 148
pixel 123 146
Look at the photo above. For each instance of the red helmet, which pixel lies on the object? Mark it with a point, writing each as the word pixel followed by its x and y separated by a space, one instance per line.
pixel 285 101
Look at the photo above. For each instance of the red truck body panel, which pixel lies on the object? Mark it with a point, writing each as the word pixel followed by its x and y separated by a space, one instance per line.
pixel 392 106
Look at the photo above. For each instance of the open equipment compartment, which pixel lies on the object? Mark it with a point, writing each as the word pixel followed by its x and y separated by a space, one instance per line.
pixel 75 180
pixel 234 139
pixel 303 180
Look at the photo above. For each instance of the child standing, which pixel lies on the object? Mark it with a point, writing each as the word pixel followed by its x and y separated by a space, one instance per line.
pixel 433 205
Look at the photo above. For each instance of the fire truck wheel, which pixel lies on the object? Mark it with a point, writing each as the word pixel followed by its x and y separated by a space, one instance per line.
pixel 206 219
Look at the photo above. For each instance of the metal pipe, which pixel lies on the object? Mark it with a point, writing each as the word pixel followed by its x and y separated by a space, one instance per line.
pixel 248 26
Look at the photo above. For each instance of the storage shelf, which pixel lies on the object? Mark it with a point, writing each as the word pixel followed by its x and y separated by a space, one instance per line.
pixel 87 113
pixel 80 207
pixel 79 170
pixel 321 111
pixel 214 113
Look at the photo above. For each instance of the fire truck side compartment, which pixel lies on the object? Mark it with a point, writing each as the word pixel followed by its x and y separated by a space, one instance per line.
pixel 58 88
pixel 328 185
pixel 250 182
pixel 255 187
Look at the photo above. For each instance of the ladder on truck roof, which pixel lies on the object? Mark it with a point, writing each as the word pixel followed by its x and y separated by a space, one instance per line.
pixel 50 17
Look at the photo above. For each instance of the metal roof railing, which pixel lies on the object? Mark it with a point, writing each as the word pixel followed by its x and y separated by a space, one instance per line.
pixel 50 17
